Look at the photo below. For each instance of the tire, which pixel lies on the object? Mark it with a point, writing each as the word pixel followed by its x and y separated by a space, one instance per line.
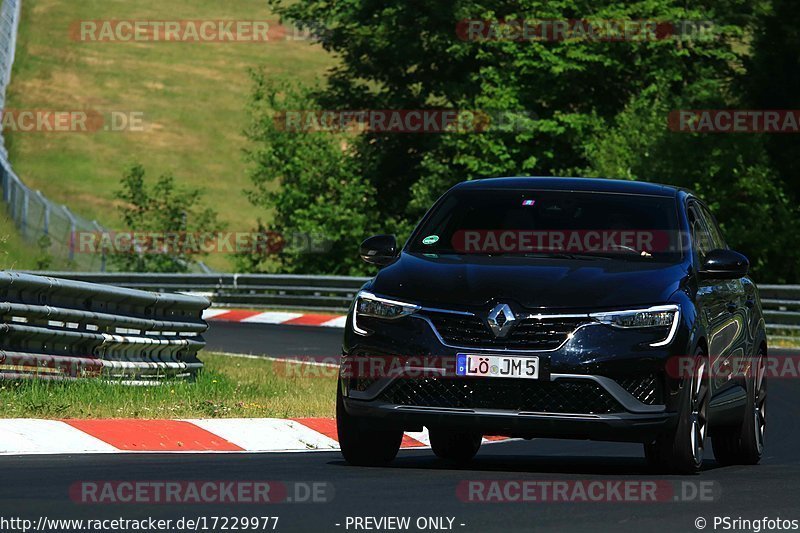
pixel 681 451
pixel 455 447
pixel 744 444
pixel 361 446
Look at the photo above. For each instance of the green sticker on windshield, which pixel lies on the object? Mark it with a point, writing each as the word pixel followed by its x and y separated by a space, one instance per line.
pixel 430 239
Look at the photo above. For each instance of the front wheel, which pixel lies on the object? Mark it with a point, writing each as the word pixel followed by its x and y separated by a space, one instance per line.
pixel 360 445
pixel 453 446
pixel 744 444
pixel 681 451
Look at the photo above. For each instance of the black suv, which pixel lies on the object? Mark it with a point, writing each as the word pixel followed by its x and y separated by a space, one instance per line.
pixel 557 307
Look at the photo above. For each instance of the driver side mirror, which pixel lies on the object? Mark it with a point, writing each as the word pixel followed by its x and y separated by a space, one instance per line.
pixel 724 264
pixel 379 250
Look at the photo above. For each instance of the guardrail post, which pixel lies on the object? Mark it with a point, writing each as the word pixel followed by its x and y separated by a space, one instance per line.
pixel 46 208
pixel 25 200
pixel 100 229
pixel 5 182
pixel 12 200
pixel 72 229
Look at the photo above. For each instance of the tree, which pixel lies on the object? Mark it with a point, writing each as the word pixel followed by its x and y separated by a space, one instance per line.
pixel 312 184
pixel 773 81
pixel 733 171
pixel 407 55
pixel 164 224
pixel 597 108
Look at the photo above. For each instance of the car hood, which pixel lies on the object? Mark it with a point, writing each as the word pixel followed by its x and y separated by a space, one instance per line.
pixel 457 280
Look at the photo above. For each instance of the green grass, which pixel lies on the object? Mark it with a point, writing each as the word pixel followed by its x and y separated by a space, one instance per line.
pixel 15 253
pixel 789 341
pixel 193 97
pixel 229 387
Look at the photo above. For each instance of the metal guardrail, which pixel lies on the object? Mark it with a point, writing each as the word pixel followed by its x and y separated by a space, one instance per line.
pixel 781 305
pixel 334 293
pixel 281 291
pixel 63 329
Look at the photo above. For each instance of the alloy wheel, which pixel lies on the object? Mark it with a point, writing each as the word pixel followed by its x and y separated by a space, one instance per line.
pixel 699 410
pixel 760 399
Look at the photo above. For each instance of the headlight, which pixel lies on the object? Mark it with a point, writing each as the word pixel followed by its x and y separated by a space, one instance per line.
pixel 661 316
pixel 367 304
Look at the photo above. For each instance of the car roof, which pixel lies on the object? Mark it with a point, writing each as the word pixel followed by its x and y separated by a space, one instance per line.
pixel 571 184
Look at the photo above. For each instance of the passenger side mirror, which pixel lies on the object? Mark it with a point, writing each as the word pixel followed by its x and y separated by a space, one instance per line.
pixel 379 250
pixel 724 264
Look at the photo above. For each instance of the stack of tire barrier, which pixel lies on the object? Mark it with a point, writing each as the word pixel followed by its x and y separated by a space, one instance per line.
pixel 53 328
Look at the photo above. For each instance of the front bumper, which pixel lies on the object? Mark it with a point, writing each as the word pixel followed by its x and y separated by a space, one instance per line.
pixel 619 427
pixel 617 388
pixel 565 406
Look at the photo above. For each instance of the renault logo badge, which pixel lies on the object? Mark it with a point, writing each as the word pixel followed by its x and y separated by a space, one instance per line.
pixel 501 319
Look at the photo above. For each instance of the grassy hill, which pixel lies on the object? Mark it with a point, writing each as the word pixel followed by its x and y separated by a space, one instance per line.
pixel 15 253
pixel 192 96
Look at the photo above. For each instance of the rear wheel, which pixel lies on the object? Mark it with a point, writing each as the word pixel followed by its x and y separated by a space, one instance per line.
pixel 360 445
pixel 454 446
pixel 744 444
pixel 681 450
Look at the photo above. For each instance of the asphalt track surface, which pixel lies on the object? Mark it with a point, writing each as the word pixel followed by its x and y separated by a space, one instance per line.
pixel 274 340
pixel 416 484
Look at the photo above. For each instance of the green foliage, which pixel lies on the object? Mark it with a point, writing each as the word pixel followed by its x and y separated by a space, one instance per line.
pixel 733 172
pixel 159 212
pixel 773 82
pixel 44 260
pixel 596 108
pixel 311 181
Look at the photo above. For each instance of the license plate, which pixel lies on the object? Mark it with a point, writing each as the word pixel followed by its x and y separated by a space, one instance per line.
pixel 497 366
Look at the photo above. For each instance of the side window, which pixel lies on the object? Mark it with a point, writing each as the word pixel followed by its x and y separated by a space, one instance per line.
pixel 701 238
pixel 716 234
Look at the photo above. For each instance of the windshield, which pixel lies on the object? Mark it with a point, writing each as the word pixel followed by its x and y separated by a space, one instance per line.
pixel 547 223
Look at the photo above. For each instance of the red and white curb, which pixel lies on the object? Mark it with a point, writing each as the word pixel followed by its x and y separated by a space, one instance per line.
pixel 223 435
pixel 275 317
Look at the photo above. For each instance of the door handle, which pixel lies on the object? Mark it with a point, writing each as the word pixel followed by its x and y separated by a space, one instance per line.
pixel 731 307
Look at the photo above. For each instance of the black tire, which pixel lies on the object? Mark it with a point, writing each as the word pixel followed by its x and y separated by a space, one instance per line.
pixel 362 446
pixel 744 444
pixel 681 451
pixel 454 446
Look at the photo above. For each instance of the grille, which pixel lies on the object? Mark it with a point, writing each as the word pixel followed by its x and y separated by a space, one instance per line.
pixel 561 396
pixel 527 334
pixel 361 384
pixel 356 365
pixel 646 389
